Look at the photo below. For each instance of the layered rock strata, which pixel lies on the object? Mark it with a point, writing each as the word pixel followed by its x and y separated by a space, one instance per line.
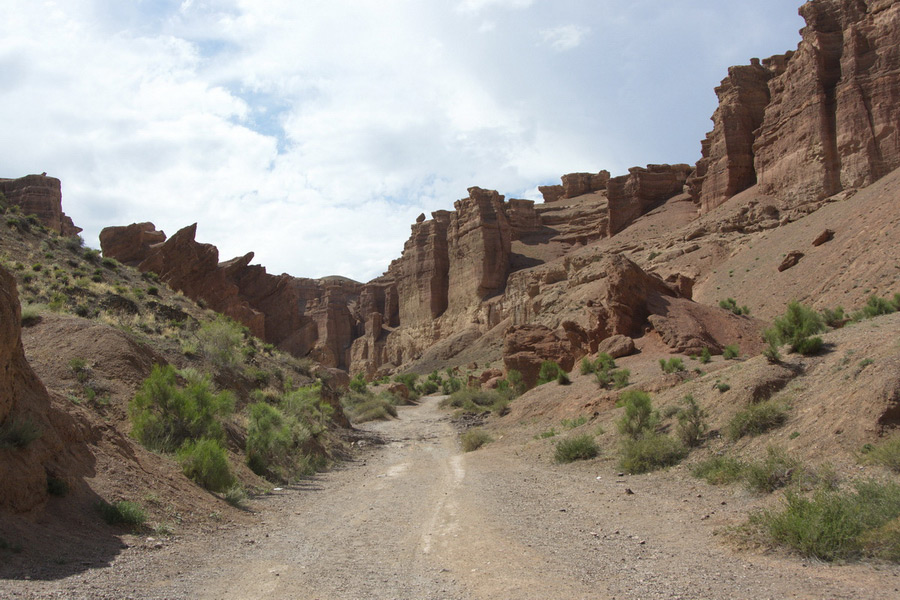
pixel 41 196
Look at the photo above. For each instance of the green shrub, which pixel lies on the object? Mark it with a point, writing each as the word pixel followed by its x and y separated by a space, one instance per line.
pixel 797 327
pixel 451 385
pixel 562 378
pixel 206 463
pixel 692 425
pixel 757 419
pixel 834 318
pixel 639 417
pixel 164 415
pixel 673 365
pixel 731 304
pixel 650 452
pixel 875 307
pixel 358 383
pixel 56 486
pixel 573 423
pixel 474 439
pixel 18 432
pixel 587 366
pixel 720 470
pixel 361 407
pixel 837 525
pixel 776 471
pixel 731 352
pixel 516 382
pixel 620 378
pixel 31 314
pixel 886 453
pixel 220 342
pixel 428 387
pixel 581 447
pixel 122 513
pixel 550 371
pixel 476 400
pixel 271 439
pixel 705 356
pixel 236 496
pixel 110 263
pixel 722 387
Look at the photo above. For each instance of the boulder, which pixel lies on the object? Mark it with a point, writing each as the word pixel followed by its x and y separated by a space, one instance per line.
pixel 130 244
pixel 792 258
pixel 617 346
pixel 825 236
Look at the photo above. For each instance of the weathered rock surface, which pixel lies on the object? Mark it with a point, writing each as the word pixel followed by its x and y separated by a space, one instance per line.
pixel 642 190
pixel 130 244
pixel 42 196
pixel 574 185
pixel 25 404
pixel 825 122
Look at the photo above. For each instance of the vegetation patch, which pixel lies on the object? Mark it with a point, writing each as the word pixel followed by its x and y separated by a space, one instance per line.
pixel 832 525
pixel 885 453
pixel 650 452
pixel 757 419
pixel 477 401
pixel 673 365
pixel 206 462
pixel 474 439
pixel 18 432
pixel 798 328
pixel 580 447
pixel 123 512
pixel 361 407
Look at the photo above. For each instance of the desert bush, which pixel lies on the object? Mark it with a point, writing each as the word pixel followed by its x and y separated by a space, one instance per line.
pixel 886 453
pixel 775 471
pixel 672 365
pixel 587 366
pixel 56 486
pixel 474 439
pixel 451 384
pixel 220 342
pixel 639 417
pixel 427 387
pixel 731 351
pixel 308 407
pixel 720 470
pixel 164 415
pixel 236 496
pixel 757 419
pixel 834 318
pixel 206 462
pixel 361 407
pixel 731 304
pixel 620 378
pixel 18 432
pixel 580 447
pixel 692 425
pixel 516 382
pixel 705 356
pixel 834 525
pixel 271 439
pixel 797 327
pixel 123 512
pixel 573 423
pixel 650 452
pixel 875 307
pixel 475 400
pixel 31 314
pixel 358 383
pixel 550 370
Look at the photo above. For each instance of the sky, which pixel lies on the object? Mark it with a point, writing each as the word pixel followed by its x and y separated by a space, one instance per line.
pixel 314 132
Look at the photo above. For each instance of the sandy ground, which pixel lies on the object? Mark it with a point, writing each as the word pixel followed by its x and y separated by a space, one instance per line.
pixel 415 518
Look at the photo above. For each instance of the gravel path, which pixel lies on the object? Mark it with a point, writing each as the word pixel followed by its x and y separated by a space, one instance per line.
pixel 414 518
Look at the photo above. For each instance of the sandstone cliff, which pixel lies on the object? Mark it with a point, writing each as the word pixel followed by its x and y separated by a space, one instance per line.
pixel 811 123
pixel 41 196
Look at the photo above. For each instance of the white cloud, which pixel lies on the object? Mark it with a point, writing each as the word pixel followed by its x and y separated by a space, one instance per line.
pixel 476 6
pixel 314 133
pixel 564 37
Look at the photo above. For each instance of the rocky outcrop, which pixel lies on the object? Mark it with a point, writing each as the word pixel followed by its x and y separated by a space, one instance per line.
pixel 130 244
pixel 574 185
pixel 827 120
pixel 726 167
pixel 642 190
pixel 479 248
pixel 41 196
pixel 832 122
pixel 37 441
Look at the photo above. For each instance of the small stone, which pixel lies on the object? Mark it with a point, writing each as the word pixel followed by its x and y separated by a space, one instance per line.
pixel 628 492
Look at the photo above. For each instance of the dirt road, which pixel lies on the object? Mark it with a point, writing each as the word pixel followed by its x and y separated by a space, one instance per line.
pixel 416 519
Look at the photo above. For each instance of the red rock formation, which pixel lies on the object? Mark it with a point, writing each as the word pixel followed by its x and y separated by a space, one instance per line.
pixel 479 247
pixel 526 347
pixel 24 402
pixel 727 164
pixel 574 185
pixel 423 271
pixel 832 122
pixel 42 196
pixel 130 244
pixel 642 190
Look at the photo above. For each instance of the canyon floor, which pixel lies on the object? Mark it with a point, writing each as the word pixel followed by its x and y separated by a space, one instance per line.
pixel 413 517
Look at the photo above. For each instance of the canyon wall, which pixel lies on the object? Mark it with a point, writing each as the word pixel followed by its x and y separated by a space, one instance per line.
pixel 41 196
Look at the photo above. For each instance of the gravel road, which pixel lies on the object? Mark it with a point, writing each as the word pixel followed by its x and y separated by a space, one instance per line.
pixel 414 518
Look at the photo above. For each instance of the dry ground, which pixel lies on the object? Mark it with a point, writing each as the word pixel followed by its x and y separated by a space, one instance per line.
pixel 412 517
